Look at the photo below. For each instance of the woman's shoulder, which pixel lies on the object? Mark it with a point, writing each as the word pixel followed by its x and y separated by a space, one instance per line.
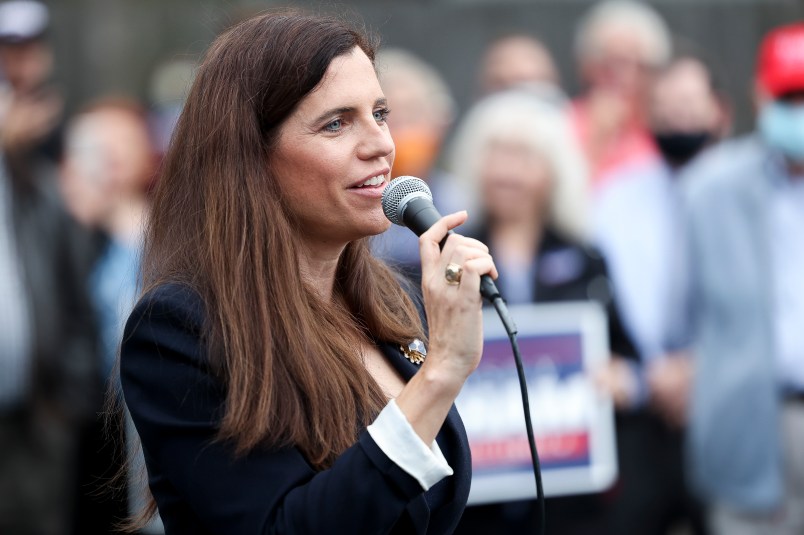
pixel 176 293
pixel 166 377
pixel 169 319
pixel 172 300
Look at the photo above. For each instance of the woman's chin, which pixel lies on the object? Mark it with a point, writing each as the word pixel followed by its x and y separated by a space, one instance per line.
pixel 378 227
pixel 365 231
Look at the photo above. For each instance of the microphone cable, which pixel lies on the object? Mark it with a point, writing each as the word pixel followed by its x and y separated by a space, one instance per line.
pixel 511 330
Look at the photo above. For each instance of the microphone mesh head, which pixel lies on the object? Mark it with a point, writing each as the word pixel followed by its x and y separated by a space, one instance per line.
pixel 398 192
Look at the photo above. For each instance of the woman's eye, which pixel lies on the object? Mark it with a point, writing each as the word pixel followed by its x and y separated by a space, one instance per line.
pixel 334 126
pixel 381 115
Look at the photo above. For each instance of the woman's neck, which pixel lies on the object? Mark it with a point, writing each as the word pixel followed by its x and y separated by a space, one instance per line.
pixel 318 264
pixel 516 242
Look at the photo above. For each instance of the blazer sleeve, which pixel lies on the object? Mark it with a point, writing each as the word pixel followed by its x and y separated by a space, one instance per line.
pixel 176 403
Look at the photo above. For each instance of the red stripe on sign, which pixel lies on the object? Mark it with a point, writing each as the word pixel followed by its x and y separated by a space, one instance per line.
pixel 515 450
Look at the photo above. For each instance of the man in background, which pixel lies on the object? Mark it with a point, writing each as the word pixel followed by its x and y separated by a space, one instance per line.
pixel 638 219
pixel 48 381
pixel 746 215
pixel 30 105
pixel 619 44
pixel 516 61
pixel 639 225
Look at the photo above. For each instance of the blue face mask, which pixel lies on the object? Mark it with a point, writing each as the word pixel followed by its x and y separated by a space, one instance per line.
pixel 781 125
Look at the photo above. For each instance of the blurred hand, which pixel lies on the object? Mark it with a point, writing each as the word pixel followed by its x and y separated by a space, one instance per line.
pixel 609 114
pixel 29 119
pixel 617 379
pixel 453 312
pixel 670 380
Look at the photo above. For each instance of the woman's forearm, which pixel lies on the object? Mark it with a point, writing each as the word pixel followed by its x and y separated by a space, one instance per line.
pixel 428 397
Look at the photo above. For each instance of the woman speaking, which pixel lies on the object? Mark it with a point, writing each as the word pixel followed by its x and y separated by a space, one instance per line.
pixel 273 368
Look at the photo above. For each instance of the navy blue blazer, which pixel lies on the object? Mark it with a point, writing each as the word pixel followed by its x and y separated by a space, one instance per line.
pixel 176 402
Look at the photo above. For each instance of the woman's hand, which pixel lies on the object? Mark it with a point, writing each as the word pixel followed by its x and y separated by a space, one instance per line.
pixel 455 323
pixel 454 311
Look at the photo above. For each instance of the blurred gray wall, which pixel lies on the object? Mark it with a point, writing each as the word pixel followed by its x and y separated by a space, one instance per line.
pixel 112 46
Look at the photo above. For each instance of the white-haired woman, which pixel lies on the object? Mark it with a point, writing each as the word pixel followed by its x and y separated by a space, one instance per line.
pixel 526 180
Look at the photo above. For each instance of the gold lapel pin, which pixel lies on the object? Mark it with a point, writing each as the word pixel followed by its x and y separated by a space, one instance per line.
pixel 415 352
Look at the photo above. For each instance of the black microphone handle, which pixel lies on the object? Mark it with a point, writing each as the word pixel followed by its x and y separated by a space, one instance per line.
pixel 420 214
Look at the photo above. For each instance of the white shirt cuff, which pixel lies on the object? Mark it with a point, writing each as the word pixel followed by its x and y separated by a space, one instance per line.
pixel 396 438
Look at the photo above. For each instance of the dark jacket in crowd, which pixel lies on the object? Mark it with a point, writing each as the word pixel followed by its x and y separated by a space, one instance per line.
pixel 39 433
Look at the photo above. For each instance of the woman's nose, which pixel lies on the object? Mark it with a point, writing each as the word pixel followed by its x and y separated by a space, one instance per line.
pixel 377 142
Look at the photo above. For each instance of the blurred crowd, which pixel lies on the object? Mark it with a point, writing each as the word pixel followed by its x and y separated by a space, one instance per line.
pixel 632 194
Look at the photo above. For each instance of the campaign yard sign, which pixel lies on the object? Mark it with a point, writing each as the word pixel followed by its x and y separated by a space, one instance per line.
pixel 561 344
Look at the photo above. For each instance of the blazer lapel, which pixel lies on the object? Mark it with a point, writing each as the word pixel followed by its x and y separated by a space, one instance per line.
pixel 403 366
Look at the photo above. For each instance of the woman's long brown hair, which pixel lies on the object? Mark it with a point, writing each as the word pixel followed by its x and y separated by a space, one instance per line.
pixel 290 361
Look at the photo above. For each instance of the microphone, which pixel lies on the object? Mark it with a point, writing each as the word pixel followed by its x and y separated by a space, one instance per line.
pixel 407 202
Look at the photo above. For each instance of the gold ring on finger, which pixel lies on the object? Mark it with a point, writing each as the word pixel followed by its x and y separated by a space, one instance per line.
pixel 453 274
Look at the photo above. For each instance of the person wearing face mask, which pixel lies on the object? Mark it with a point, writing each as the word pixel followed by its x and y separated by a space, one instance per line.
pixel 687 110
pixel 637 222
pixel 745 205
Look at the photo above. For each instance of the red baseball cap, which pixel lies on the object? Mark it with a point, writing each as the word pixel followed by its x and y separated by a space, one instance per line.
pixel 780 68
